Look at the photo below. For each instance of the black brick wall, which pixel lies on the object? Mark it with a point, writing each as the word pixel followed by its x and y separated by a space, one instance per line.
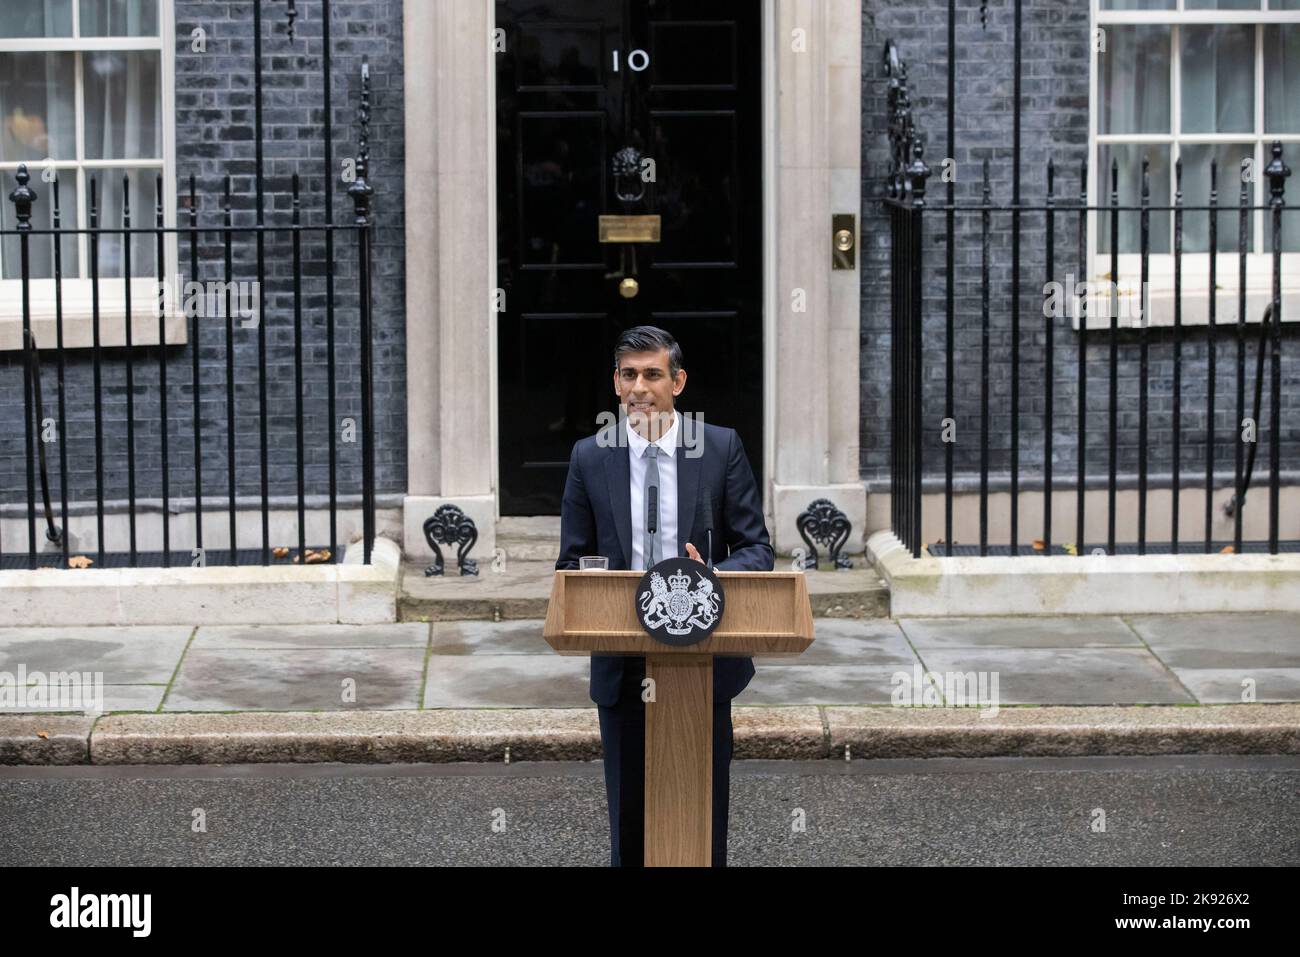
pixel 215 138
pixel 1054 124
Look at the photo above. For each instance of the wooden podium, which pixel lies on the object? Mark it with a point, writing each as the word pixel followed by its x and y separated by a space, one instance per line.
pixel 594 612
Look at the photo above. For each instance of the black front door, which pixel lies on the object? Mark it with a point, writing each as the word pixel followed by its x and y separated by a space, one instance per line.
pixel 673 89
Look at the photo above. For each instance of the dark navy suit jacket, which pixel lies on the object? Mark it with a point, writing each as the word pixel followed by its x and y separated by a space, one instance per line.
pixel 596 519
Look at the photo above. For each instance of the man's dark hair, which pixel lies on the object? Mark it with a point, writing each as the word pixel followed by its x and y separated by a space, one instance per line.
pixel 649 339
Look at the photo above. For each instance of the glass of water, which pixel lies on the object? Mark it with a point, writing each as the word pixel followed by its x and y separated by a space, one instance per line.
pixel 594 563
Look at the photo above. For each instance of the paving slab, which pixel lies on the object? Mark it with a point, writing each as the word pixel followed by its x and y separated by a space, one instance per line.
pixel 821 685
pixel 1264 640
pixel 490 638
pixel 126 655
pixel 248 637
pixel 1067 676
pixel 507 681
pixel 938 633
pixel 842 641
pixel 1225 685
pixel 297 680
pixel 116 698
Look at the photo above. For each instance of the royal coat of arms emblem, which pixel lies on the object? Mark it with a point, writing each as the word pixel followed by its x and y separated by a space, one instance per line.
pixel 679 602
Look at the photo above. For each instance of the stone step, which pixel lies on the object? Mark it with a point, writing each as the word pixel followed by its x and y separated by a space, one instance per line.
pixel 521 589
pixel 534 539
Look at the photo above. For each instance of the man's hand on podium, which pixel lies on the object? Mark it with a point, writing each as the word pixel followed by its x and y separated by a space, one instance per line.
pixel 693 552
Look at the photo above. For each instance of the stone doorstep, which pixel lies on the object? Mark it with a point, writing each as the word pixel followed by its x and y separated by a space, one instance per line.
pixel 798 733
pixel 998 586
pixel 522 591
pixel 348 592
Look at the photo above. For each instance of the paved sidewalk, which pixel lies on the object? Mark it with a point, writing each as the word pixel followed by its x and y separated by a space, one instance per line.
pixel 479 691
pixel 1159 660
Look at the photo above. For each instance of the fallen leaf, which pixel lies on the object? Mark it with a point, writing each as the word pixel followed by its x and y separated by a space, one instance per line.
pixel 1071 548
pixel 1227 550
pixel 318 558
pixel 44 735
pixel 80 561
pixel 1039 545
pixel 280 551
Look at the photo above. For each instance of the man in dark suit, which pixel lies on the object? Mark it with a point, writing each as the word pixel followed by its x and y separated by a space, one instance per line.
pixel 700 479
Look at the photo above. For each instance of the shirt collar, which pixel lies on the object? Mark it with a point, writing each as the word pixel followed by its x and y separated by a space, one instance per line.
pixel 667 442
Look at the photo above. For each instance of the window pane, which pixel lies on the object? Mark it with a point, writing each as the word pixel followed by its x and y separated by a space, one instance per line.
pixel 123 116
pixel 41 248
pixel 1290 226
pixel 1196 192
pixel 1137 4
pixel 1134 80
pixel 143 198
pixel 37 107
pixel 1284 5
pixel 1218 67
pixel 1129 156
pixel 119 18
pixel 1225 4
pixel 36 18
pixel 1282 78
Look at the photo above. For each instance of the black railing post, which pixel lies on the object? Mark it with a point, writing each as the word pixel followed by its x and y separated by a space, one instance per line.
pixel 1114 352
pixel 23 197
pixel 1243 242
pixel 1176 454
pixel 329 173
pixel 1277 173
pixel 63 370
pixel 1048 365
pixel 196 390
pixel 1015 285
pixel 1212 355
pixel 1144 351
pixel 1086 294
pixel 130 368
pixel 162 376
pixel 263 438
pixel 918 173
pixel 985 223
pixel 97 368
pixel 361 193
pixel 949 279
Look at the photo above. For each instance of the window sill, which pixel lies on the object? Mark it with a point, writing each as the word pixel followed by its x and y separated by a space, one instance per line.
pixel 1196 307
pixel 78 318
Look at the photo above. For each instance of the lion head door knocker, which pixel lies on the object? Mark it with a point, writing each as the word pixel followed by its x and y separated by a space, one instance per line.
pixel 679 602
pixel 629 187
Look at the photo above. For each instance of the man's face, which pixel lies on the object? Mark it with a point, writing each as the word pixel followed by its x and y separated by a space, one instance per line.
pixel 647 392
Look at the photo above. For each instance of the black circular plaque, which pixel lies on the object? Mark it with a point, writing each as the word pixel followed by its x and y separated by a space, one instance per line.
pixel 679 602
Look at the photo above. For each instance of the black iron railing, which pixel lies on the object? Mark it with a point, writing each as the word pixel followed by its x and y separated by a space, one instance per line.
pixel 918 222
pixel 215 232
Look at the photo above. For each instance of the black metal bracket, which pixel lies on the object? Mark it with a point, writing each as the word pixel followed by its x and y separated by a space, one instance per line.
pixel 450 526
pixel 830 528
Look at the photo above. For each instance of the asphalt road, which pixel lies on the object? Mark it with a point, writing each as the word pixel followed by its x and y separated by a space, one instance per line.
pixel 1015 811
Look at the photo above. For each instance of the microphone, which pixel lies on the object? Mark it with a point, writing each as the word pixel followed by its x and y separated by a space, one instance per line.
pixel 706 502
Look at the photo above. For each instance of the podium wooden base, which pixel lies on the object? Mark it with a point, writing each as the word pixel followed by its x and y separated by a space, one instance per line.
pixel 595 613
pixel 679 761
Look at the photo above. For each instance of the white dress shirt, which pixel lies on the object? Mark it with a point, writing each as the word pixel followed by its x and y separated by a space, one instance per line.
pixel 667 492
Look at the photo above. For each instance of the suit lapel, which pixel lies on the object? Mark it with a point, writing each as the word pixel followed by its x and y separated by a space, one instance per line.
pixel 618 472
pixel 688 484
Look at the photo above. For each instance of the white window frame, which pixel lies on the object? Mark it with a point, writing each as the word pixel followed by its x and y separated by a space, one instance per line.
pixel 76 291
pixel 1196 266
